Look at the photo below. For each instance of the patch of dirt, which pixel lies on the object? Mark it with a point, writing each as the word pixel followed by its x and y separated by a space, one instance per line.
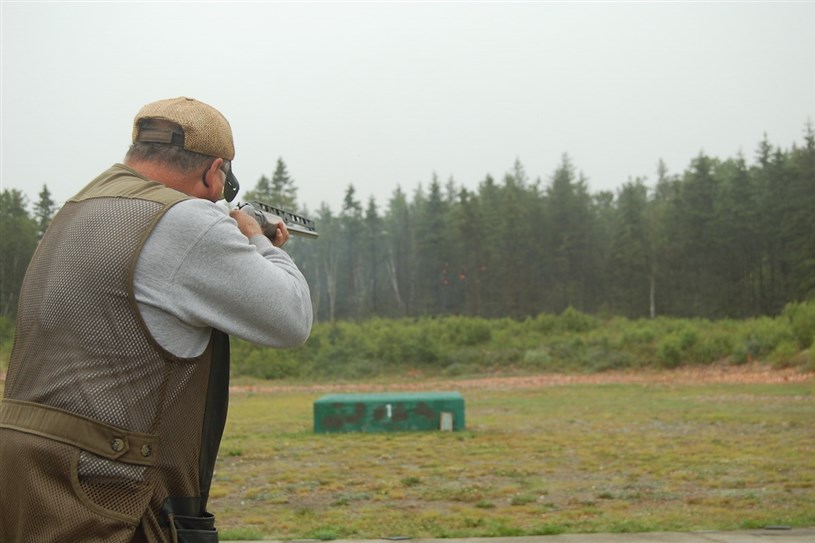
pixel 696 375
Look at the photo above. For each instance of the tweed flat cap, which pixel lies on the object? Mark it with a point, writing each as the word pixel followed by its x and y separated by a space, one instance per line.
pixel 203 129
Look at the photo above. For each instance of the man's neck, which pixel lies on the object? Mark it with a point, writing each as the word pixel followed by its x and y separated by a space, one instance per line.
pixel 172 178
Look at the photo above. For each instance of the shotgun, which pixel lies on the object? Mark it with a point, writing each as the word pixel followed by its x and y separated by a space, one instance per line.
pixel 268 216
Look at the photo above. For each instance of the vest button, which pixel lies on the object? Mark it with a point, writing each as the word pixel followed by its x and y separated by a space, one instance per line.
pixel 146 450
pixel 117 444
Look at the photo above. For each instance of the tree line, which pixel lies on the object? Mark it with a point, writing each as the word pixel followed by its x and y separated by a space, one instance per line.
pixel 723 238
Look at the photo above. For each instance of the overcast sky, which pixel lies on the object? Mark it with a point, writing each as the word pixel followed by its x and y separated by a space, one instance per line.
pixel 386 94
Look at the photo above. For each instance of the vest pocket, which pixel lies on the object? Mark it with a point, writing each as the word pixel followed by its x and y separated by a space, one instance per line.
pixel 115 489
pixel 193 529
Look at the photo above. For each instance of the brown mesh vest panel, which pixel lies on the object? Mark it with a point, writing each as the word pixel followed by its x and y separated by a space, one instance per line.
pixel 99 425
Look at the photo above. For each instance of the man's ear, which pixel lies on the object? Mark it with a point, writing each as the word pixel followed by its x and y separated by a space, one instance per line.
pixel 212 170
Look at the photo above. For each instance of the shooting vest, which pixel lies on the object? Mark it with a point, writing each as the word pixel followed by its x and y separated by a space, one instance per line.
pixel 104 435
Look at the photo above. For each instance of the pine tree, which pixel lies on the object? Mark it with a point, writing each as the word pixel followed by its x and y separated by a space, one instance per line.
pixel 467 229
pixel 351 257
pixel 662 217
pixel 280 191
pixel 262 191
pixel 696 223
pixel 798 223
pixel 487 274
pixel 519 278
pixel 44 211
pixel 630 258
pixel 399 251
pixel 372 256
pixel 283 190
pixel 738 230
pixel 17 245
pixel 327 264
pixel 570 230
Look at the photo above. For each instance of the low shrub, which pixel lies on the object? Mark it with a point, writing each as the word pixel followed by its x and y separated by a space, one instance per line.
pixel 572 320
pixel 6 341
pixel 267 364
pixel 784 353
pixel 537 359
pixel 760 336
pixel 465 332
pixel 669 351
pixel 801 318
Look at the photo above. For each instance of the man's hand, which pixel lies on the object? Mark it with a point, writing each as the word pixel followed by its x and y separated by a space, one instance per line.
pixel 281 236
pixel 249 227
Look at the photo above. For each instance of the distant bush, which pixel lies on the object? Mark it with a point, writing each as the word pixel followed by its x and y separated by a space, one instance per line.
pixel 572 320
pixel 544 323
pixel 759 337
pixel 461 331
pixel 538 359
pixel 6 340
pixel 712 344
pixel 801 317
pixel 784 353
pixel 267 364
pixel 669 351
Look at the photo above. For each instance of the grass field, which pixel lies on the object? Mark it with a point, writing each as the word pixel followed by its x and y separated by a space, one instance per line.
pixel 614 456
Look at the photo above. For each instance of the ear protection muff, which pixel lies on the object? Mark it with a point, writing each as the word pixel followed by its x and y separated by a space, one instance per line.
pixel 231 187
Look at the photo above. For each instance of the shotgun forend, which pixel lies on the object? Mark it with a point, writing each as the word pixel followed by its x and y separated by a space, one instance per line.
pixel 268 216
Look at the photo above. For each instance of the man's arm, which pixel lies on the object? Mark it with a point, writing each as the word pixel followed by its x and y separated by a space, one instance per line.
pixel 198 270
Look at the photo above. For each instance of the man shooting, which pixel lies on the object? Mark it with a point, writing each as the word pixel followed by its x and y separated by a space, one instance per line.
pixel 117 387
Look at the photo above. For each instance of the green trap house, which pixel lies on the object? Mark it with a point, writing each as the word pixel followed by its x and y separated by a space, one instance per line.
pixel 389 412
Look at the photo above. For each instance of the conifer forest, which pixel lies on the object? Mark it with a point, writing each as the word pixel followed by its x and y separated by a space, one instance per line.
pixel 725 238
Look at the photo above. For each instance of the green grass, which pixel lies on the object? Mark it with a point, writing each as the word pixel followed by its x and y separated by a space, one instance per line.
pixel 580 458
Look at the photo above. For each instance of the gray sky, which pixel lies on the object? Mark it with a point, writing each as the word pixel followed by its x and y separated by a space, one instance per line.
pixel 381 95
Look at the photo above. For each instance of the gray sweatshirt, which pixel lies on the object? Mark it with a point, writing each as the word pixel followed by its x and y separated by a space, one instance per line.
pixel 197 271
